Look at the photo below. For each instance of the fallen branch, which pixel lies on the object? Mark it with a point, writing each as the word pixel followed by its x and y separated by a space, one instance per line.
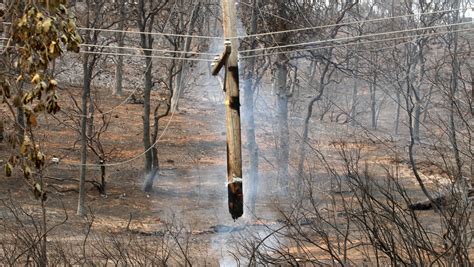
pixel 441 201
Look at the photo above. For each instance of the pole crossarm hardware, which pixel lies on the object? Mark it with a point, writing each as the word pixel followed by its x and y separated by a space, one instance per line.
pixel 228 59
pixel 220 61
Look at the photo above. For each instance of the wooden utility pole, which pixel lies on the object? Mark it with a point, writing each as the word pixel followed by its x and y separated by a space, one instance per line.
pixel 232 102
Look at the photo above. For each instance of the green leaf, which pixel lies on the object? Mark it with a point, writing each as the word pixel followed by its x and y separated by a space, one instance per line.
pixel 27 98
pixel 47 24
pixel 39 108
pixel 62 9
pixel 71 25
pixel 23 21
pixel 27 172
pixel 37 190
pixel 36 78
pixel 39 16
pixel 39 159
pixel 32 120
pixel 8 169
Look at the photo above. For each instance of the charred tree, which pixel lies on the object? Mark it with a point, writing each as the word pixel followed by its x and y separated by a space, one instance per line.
pixel 147 12
pixel 93 16
pixel 120 37
pixel 326 70
pixel 84 118
pixel 145 24
pixel 280 79
pixel 183 65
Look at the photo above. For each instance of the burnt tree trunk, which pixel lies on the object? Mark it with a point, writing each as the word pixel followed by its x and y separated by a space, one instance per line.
pixel 102 176
pixel 282 95
pixel 373 102
pixel 309 112
pixel 397 113
pixel 353 113
pixel 120 43
pixel 184 63
pixel 145 24
pixel 83 169
pixel 416 121
pixel 150 178
pixel 146 115
pixel 283 143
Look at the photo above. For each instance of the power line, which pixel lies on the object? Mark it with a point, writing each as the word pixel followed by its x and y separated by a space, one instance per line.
pixel 352 38
pixel 349 116
pixel 247 51
pixel 357 43
pixel 134 157
pixel 260 55
pixel 390 96
pixel 152 33
pixel 365 129
pixel 141 32
pixel 112 109
pixel 149 49
pixel 145 56
pixel 327 98
pixel 266 33
pixel 139 55
pixel 352 22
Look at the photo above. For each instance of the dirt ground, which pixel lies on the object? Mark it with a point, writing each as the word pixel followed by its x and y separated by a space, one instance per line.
pixel 190 195
pixel 190 192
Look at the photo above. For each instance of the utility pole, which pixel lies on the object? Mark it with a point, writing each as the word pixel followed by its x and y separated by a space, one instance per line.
pixel 232 102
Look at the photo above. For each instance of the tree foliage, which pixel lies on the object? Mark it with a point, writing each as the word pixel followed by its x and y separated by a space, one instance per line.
pixel 39 33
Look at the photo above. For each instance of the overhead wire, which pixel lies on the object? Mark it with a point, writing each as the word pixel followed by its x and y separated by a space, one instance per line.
pixel 269 33
pixel 144 56
pixel 349 116
pixel 165 51
pixel 169 121
pixel 356 43
pixel 142 32
pixel 393 99
pixel 140 55
pixel 151 146
pixel 152 33
pixel 113 108
pixel 350 23
pixel 211 37
pixel 118 163
pixel 136 48
pixel 255 55
pixel 132 158
pixel 354 38
pixel 157 139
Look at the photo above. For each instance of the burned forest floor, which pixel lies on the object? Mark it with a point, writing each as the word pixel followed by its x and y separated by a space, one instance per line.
pixel 188 205
pixel 185 220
